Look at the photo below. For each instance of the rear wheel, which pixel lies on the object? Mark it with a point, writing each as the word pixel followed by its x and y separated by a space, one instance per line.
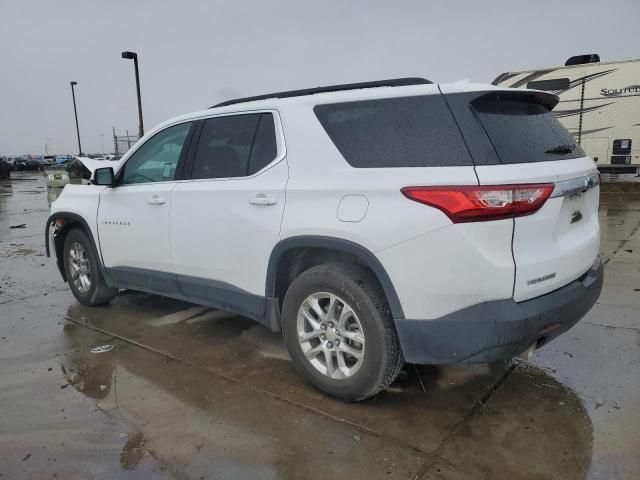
pixel 339 331
pixel 83 272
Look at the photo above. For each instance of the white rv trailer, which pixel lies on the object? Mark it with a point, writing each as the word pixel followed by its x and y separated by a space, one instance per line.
pixel 599 105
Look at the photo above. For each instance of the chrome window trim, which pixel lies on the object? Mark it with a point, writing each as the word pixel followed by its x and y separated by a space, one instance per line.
pixel 280 141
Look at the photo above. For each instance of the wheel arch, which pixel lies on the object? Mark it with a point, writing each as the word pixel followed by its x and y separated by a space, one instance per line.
pixel 71 220
pixel 339 245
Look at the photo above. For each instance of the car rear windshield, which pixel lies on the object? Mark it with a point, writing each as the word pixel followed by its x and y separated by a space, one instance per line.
pixel 524 131
pixel 414 131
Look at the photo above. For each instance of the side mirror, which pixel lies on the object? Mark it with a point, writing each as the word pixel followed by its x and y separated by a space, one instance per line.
pixel 104 176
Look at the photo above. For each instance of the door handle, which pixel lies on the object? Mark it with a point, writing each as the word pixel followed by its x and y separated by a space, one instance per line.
pixel 156 200
pixel 263 200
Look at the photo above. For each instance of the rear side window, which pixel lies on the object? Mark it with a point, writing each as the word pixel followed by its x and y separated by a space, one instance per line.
pixel 524 131
pixel 224 146
pixel 235 146
pixel 265 148
pixel 414 131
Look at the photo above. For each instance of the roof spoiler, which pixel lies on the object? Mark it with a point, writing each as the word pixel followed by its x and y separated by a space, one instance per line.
pixel 547 99
pixel 393 82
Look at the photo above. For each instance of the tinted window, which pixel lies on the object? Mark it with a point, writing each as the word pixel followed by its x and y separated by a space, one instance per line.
pixel 524 131
pixel 157 158
pixel 224 147
pixel 265 148
pixel 395 132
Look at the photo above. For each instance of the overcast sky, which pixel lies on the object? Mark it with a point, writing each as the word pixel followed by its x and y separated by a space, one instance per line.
pixel 196 53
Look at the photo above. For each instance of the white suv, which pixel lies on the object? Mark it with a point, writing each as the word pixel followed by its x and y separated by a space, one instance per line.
pixel 372 223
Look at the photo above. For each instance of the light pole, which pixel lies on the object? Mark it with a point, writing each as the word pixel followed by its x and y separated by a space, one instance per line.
pixel 102 142
pixel 75 110
pixel 134 56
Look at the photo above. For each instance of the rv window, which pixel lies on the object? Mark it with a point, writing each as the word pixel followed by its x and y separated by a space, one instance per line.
pixel 622 146
pixel 553 84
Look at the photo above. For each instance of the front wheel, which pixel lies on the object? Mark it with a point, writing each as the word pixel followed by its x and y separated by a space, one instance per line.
pixel 339 331
pixel 83 271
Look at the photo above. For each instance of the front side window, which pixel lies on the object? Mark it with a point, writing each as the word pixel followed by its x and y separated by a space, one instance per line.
pixel 156 160
pixel 235 146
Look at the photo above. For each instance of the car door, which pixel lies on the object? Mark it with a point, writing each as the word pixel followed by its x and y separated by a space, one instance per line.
pixel 226 219
pixel 133 217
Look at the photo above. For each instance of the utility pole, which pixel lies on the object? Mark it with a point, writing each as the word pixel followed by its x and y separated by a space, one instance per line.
pixel 75 110
pixel 134 56
pixel 115 143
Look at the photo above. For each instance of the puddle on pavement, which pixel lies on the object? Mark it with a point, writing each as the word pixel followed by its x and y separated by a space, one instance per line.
pixel 224 371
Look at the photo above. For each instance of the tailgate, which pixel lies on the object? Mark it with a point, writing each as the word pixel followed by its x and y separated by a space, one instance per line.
pixel 559 242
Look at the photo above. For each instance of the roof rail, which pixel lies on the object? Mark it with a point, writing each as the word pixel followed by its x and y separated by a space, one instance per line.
pixel 393 82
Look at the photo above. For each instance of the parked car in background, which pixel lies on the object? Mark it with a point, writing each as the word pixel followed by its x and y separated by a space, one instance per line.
pixel 372 224
pixel 5 169
pixel 47 161
pixel 26 164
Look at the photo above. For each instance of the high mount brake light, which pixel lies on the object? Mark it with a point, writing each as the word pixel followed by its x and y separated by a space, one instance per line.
pixel 468 203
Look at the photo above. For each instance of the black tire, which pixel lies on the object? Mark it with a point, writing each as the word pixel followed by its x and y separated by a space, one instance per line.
pixel 382 357
pixel 98 292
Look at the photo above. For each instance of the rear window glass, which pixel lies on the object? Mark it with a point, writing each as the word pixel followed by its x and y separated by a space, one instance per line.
pixel 523 131
pixel 414 131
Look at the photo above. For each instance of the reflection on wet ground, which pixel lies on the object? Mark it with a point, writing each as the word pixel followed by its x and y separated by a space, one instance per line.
pixel 189 392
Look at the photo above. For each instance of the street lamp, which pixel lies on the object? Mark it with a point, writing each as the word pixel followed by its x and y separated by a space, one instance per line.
pixel 75 110
pixel 134 56
pixel 102 142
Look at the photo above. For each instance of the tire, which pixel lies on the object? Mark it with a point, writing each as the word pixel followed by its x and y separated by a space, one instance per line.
pixel 79 251
pixel 358 296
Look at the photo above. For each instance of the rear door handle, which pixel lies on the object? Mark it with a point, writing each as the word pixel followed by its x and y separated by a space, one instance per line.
pixel 156 200
pixel 263 200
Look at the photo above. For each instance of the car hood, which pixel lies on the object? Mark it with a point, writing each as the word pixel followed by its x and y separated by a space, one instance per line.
pixel 91 164
pixel 83 167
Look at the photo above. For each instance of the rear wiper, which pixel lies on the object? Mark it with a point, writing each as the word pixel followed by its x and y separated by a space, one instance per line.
pixel 561 149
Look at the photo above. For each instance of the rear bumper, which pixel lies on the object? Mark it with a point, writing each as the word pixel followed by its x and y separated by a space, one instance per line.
pixel 500 329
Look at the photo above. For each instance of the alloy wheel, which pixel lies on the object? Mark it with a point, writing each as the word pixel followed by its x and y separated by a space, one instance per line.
pixel 331 335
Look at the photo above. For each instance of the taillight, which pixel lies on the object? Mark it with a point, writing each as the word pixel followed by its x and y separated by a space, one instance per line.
pixel 469 203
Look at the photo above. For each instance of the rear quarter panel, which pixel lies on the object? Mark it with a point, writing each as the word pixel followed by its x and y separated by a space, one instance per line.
pixel 436 267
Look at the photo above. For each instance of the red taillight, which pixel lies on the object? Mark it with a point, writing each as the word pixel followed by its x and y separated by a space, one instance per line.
pixel 469 203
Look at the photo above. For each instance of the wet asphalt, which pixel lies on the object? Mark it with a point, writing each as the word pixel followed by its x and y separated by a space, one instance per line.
pixel 190 392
